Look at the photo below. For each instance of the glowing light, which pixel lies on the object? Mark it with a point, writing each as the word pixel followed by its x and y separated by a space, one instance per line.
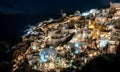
pixel 94 11
pixel 76 50
pixel 85 36
pixel 103 43
pixel 42 56
pixel 34 47
pixel 110 27
pixel 85 14
pixel 46 54
pixel 77 44
pixel 68 47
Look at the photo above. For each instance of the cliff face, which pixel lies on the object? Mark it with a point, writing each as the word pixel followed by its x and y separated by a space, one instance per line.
pixel 15 16
pixel 70 42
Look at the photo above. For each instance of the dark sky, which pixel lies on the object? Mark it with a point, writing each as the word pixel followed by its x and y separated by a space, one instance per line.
pixel 15 15
pixel 47 6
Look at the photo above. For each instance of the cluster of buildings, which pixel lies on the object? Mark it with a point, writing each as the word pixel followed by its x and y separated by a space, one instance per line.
pixel 70 41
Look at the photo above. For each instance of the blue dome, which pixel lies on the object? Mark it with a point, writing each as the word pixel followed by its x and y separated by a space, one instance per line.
pixel 77 44
pixel 42 56
pixel 76 50
pixel 103 43
pixel 46 52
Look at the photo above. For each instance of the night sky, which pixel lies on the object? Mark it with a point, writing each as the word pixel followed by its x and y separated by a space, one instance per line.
pixel 16 15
